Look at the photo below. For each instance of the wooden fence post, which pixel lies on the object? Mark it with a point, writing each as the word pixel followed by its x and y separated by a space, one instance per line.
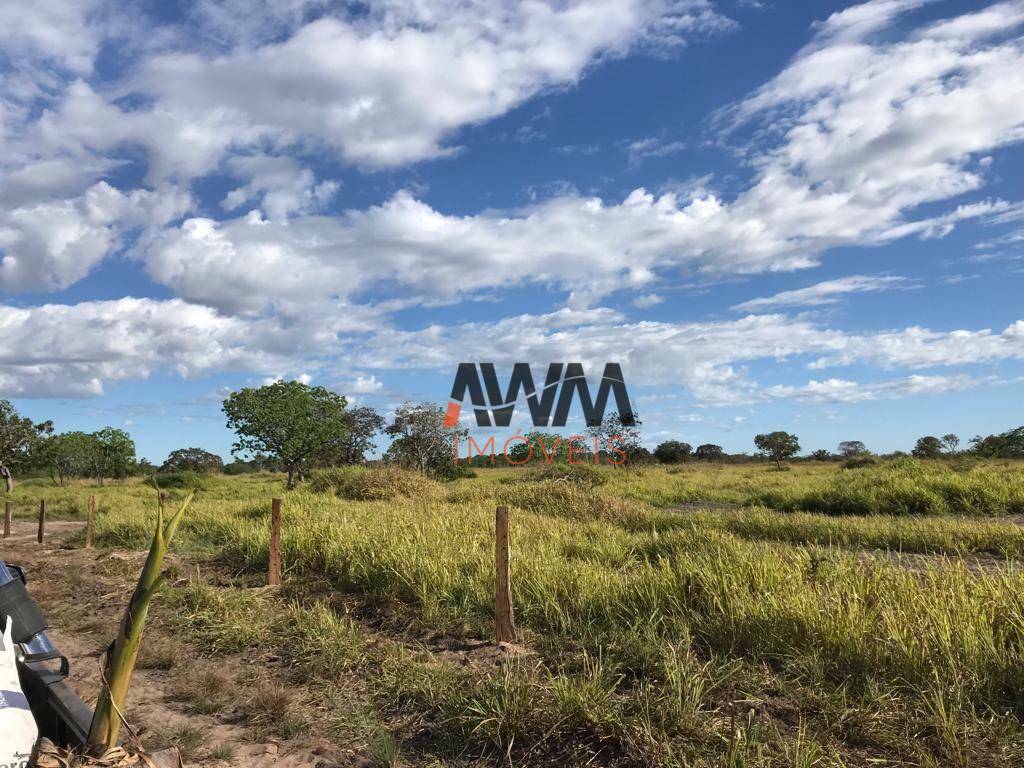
pixel 7 519
pixel 505 627
pixel 88 522
pixel 42 520
pixel 274 571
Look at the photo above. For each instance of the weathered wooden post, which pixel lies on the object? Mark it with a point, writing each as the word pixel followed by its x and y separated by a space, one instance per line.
pixel 88 522
pixel 42 520
pixel 505 628
pixel 274 571
pixel 7 519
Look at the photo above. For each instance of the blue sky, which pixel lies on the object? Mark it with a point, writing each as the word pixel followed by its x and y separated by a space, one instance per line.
pixel 802 216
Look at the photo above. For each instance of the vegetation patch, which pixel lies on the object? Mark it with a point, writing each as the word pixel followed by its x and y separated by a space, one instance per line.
pixel 383 483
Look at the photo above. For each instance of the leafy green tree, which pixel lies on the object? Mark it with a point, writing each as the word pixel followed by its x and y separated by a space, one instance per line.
pixel 18 437
pixel 951 442
pixel 709 452
pixel 850 448
pixel 673 452
pixel 192 460
pixel 1008 445
pixel 144 468
pixel 238 467
pixel 113 453
pixel 288 421
pixel 67 455
pixel 777 446
pixel 822 455
pixel 363 425
pixel 927 447
pixel 422 441
pixel 555 448
pixel 614 434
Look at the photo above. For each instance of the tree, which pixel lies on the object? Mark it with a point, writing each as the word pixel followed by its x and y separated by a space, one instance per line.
pixel 192 460
pixel 421 440
pixel 543 447
pixel 951 442
pixel 709 452
pixel 822 455
pixel 850 448
pixel 287 420
pixel 615 433
pixel 777 446
pixel 145 468
pixel 673 452
pixel 1008 445
pixel 113 453
pixel 67 455
pixel 927 447
pixel 363 424
pixel 18 436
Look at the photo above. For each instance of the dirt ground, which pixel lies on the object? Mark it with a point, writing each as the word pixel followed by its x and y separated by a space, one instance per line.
pixel 83 593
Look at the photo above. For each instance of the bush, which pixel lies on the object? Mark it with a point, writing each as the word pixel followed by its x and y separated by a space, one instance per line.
pixel 580 475
pixel 376 484
pixel 859 462
pixel 563 499
pixel 239 468
pixel 905 486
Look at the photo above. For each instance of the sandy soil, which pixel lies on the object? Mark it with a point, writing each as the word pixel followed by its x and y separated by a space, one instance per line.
pixel 83 593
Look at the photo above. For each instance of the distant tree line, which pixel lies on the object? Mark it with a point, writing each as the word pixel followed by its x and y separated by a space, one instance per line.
pixel 782 446
pixel 292 427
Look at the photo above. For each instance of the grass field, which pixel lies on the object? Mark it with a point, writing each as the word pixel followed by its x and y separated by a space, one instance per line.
pixel 831 617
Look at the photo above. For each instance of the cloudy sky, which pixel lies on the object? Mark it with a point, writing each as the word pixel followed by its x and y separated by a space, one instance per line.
pixel 806 216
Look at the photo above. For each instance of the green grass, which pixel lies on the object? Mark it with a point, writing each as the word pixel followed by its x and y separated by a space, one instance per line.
pixel 900 487
pixel 651 630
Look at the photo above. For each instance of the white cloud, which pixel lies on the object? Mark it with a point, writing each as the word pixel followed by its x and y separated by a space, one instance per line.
pixel 55 30
pixel 73 350
pixel 51 245
pixel 648 300
pixel 363 385
pixel 707 359
pixel 872 131
pixel 283 186
pixel 384 88
pixel 653 146
pixel 826 292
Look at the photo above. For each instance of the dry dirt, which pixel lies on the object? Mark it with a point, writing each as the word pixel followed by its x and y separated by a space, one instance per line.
pixel 83 593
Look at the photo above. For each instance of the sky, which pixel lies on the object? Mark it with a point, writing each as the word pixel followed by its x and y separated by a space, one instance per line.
pixel 774 215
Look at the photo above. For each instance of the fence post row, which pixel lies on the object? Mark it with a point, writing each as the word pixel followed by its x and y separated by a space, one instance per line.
pixel 88 522
pixel 42 521
pixel 504 624
pixel 274 570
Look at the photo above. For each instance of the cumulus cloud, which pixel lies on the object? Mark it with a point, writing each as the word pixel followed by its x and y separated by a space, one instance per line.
pixel 73 350
pixel 61 31
pixel 282 185
pixel 872 131
pixel 710 360
pixel 51 245
pixel 382 88
pixel 826 292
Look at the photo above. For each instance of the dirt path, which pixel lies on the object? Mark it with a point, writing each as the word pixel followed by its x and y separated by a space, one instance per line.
pixel 83 594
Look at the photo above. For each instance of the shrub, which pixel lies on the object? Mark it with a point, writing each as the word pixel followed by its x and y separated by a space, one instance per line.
pixel 564 499
pixel 376 484
pixel 905 486
pixel 580 475
pixel 859 462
